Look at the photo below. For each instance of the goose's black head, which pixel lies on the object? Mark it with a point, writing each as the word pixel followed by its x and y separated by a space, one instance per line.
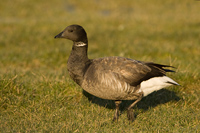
pixel 76 33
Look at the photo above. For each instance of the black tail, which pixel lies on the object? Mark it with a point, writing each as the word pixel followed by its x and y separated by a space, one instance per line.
pixel 160 66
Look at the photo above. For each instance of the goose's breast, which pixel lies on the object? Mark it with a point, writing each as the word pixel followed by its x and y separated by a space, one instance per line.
pixel 107 85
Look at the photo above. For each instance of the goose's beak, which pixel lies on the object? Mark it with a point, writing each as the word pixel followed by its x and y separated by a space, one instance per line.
pixel 60 35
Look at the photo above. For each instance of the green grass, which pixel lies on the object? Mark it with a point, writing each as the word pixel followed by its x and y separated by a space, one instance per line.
pixel 36 93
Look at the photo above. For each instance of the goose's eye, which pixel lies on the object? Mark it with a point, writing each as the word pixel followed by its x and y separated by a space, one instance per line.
pixel 70 30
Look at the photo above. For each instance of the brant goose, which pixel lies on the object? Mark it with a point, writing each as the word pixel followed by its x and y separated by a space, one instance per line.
pixel 113 78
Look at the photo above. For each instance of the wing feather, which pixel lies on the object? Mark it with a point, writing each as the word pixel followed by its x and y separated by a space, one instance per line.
pixel 129 70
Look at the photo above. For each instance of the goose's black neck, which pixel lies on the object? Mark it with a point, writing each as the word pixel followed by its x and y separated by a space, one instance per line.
pixel 78 61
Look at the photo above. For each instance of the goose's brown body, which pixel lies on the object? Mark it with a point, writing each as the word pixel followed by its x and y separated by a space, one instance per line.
pixel 103 79
pixel 114 78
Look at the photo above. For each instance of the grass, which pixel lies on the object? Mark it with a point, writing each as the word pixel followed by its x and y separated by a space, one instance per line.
pixel 36 93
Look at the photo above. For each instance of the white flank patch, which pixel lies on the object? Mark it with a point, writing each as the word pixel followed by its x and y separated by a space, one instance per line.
pixel 80 44
pixel 155 84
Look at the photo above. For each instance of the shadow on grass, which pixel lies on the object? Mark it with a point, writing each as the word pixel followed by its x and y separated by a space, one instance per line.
pixel 160 97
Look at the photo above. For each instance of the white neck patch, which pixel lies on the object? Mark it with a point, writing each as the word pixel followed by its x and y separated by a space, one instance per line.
pixel 81 44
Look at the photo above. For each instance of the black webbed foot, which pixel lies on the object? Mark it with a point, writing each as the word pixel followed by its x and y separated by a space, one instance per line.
pixel 116 115
pixel 130 115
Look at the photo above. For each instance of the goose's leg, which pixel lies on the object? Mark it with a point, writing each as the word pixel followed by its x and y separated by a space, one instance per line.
pixel 116 115
pixel 130 113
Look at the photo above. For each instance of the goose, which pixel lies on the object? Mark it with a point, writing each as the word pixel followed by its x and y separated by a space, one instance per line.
pixel 113 78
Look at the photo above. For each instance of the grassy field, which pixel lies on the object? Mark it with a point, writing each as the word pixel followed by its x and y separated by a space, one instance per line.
pixel 36 93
